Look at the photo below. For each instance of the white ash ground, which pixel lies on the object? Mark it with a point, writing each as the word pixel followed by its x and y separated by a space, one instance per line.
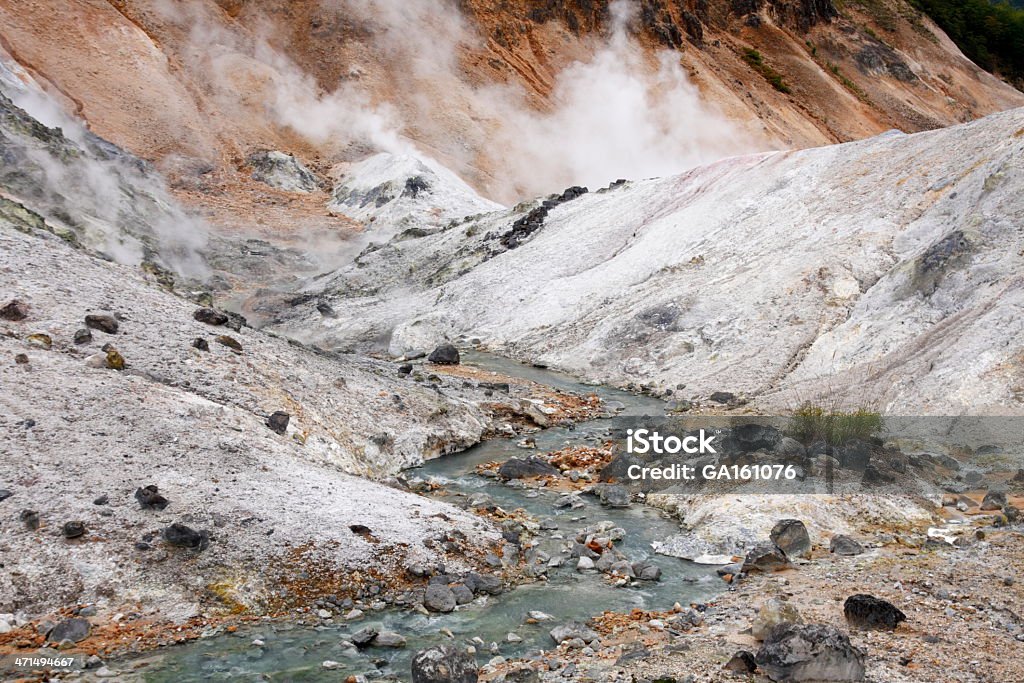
pixel 192 423
pixel 879 273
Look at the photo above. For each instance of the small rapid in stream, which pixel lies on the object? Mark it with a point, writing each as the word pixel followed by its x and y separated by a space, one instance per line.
pixel 292 652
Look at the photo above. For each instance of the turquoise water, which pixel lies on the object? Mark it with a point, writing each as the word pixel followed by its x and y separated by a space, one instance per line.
pixel 295 653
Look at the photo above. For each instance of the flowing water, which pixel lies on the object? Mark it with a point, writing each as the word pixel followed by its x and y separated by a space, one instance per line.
pixel 295 653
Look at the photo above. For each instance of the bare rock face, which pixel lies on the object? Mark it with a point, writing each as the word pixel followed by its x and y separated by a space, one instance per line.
pixel 790 535
pixel 810 652
pixel 869 612
pixel 444 665
pixel 282 171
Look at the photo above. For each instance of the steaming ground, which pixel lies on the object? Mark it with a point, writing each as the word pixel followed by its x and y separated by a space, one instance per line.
pixel 516 99
pixel 882 273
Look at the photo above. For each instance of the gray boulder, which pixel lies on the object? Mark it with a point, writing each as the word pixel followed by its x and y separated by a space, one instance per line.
pixel 810 652
pixel 615 496
pixel 518 468
pixel 74 630
pixel 844 545
pixel 278 422
pixel 994 500
pixel 389 639
pixel 765 557
pixel 182 536
pixel 868 612
pixel 439 598
pixel 102 322
pixel 445 354
pixel 364 636
pixel 443 665
pixel 790 535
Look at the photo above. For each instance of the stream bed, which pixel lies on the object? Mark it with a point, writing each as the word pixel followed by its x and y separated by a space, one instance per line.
pixel 291 652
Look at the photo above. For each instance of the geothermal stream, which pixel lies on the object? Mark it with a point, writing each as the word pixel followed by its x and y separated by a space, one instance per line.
pixel 295 652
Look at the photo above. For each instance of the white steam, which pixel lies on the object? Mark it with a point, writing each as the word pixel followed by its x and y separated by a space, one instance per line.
pixel 621 113
pixel 617 117
pixel 109 200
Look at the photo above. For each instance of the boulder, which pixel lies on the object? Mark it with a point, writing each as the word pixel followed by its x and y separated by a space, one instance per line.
pixel 790 535
pixel 614 495
pixel 229 342
pixel 14 310
pixel 182 536
pixel 854 454
pixel 463 595
pixel 73 529
pixel 518 468
pixel 765 557
pixel 5 494
pixel 752 437
pixel 102 322
pixel 278 422
pixel 445 354
pixel 773 612
pixel 30 518
pixel 810 652
pixel 844 545
pixel 364 636
pixel 114 359
pixel 389 639
pixel 994 500
pixel 868 612
pixel 439 598
pixel 483 583
pixel 149 498
pixel 618 468
pixel 444 664
pixel 74 630
pixel 83 336
pixel 201 344
pixel 571 630
pixel 742 662
pixel 210 316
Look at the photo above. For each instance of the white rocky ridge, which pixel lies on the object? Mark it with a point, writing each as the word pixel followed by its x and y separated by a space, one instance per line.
pixel 395 192
pixel 881 273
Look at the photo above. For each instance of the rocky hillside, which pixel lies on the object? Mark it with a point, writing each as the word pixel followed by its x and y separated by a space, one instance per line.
pixel 505 94
pixel 881 273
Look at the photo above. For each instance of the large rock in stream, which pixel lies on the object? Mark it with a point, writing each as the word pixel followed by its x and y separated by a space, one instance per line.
pixel 517 468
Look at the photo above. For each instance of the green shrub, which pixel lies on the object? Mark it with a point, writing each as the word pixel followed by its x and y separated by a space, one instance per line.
pixel 811 423
pixel 756 60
